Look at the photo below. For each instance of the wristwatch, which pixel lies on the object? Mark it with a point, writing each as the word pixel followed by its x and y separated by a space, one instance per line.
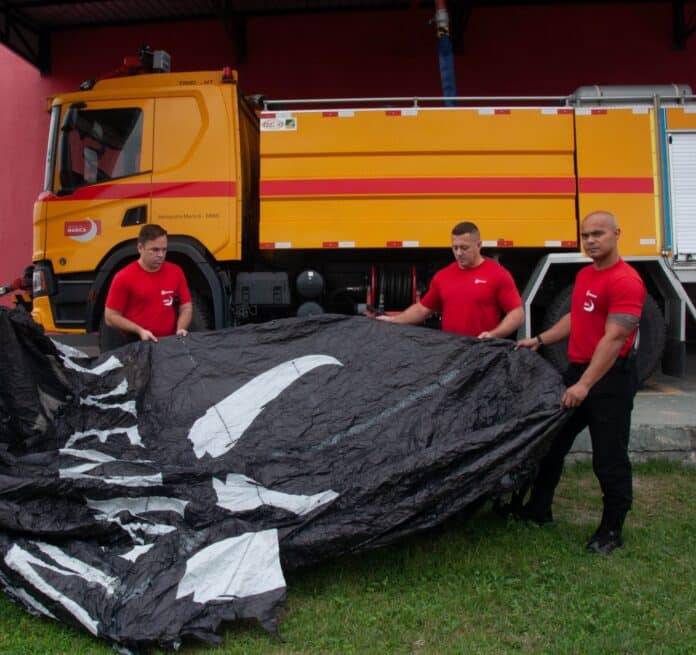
pixel 540 341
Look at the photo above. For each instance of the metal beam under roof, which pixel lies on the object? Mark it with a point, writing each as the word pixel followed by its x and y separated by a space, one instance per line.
pixel 26 25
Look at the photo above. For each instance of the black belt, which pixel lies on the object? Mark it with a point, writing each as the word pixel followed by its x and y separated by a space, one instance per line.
pixel 621 363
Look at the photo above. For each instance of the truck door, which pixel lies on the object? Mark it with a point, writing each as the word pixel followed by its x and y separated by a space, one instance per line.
pixel 101 184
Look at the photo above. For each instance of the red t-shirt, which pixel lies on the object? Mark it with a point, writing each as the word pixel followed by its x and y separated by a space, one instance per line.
pixel 148 298
pixel 471 300
pixel 596 294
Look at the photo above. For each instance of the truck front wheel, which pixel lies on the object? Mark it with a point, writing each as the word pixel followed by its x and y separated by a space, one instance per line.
pixel 202 319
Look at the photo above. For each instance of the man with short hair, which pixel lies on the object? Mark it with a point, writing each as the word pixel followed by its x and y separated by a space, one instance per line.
pixel 149 298
pixel 476 296
pixel 601 379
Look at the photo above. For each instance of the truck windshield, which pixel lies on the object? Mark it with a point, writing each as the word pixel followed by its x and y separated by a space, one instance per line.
pixel 98 145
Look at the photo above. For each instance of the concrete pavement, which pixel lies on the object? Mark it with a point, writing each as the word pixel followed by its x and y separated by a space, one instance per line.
pixel 663 423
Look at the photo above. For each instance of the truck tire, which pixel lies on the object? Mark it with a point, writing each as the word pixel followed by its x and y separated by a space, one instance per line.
pixel 202 319
pixel 651 341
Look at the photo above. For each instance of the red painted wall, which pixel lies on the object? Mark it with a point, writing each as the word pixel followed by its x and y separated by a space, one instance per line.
pixel 22 148
pixel 507 50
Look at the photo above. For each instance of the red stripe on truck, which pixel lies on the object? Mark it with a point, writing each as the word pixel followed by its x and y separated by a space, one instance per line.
pixel 410 186
pixel 616 185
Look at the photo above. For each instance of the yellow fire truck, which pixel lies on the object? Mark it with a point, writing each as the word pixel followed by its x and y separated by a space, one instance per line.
pixel 298 207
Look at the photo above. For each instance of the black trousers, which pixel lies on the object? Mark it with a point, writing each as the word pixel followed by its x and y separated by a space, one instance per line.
pixel 607 413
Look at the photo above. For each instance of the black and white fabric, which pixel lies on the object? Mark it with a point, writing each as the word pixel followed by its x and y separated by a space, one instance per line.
pixel 160 489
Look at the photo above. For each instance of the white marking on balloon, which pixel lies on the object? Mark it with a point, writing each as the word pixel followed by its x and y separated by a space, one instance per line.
pixel 109 365
pixel 138 506
pixel 87 572
pixel 96 459
pixel 233 568
pixel 108 510
pixel 69 351
pixel 131 432
pixel 219 429
pixel 118 391
pixel 128 406
pixel 122 388
pixel 137 551
pixel 78 473
pixel 90 455
pixel 239 493
pixel 28 566
pixel 136 528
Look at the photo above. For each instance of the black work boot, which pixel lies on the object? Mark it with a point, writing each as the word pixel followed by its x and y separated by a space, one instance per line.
pixel 607 537
pixel 604 542
pixel 535 514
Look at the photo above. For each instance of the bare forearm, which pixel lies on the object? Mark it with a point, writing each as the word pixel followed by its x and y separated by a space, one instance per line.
pixel 509 324
pixel 554 334
pixel 183 321
pixel 119 322
pixel 413 315
pixel 558 331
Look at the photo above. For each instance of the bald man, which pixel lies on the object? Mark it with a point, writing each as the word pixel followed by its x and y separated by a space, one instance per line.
pixel 601 379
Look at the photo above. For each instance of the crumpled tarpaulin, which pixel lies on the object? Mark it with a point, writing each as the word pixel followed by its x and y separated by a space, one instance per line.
pixel 160 489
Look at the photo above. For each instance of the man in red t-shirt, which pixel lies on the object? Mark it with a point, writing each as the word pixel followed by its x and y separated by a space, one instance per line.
pixel 149 298
pixel 476 296
pixel 601 379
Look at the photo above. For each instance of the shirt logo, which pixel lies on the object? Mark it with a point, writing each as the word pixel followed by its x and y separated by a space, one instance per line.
pixel 480 281
pixel 168 300
pixel 588 305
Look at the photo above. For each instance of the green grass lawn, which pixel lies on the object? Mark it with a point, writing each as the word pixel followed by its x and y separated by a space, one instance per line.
pixel 484 586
